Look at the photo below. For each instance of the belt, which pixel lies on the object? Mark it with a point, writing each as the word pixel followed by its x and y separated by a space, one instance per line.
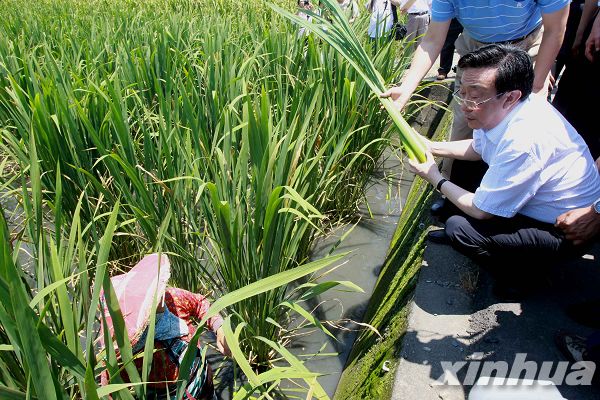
pixel 517 40
pixel 419 13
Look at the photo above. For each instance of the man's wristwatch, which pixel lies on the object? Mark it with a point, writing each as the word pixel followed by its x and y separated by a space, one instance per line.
pixel 596 206
pixel 438 187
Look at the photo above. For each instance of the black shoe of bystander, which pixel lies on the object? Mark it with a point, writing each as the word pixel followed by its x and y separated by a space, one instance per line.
pixel 572 346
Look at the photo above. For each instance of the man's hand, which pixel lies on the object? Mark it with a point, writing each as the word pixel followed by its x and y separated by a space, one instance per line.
pixel 592 45
pixel 579 225
pixel 576 45
pixel 427 170
pixel 222 343
pixel 398 96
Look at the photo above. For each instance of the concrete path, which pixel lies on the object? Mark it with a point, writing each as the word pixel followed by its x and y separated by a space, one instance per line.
pixel 455 318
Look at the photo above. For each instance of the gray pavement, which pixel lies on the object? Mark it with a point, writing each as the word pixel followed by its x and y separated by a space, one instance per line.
pixel 455 317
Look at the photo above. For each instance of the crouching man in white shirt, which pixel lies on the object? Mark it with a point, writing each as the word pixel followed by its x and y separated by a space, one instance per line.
pixel 539 168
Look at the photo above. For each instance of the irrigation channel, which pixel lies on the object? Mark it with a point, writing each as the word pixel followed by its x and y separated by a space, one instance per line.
pixel 368 241
pixel 372 244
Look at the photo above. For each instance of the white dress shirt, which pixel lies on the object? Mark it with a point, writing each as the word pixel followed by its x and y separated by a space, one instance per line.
pixel 381 20
pixel 419 6
pixel 539 166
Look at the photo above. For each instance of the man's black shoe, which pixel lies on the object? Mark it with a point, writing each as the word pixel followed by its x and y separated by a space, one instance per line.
pixel 438 236
pixel 438 206
pixel 572 346
pixel 587 313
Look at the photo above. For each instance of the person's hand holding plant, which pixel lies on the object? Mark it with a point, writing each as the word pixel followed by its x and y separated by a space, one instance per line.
pixel 427 170
pixel 397 95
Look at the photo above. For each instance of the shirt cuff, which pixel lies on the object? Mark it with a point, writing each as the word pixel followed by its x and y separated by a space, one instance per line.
pixel 497 211
pixel 435 17
pixel 555 6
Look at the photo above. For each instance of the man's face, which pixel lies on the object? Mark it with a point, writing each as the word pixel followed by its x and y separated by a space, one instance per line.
pixel 478 85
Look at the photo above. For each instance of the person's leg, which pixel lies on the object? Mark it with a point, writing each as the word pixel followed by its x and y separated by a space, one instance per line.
pixel 464 44
pixel 564 53
pixel 578 95
pixel 508 248
pixel 447 53
pixel 460 130
pixel 531 44
pixel 585 313
pixel 422 25
pixel 593 346
pixel 412 28
pixel 208 388
pixel 506 242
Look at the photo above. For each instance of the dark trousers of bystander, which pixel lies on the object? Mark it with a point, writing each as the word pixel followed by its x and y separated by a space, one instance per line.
pixel 447 53
pixel 593 347
pixel 578 96
pixel 564 54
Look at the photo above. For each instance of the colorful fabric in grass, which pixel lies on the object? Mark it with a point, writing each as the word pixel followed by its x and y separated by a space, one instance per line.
pixel 136 291
pixel 174 328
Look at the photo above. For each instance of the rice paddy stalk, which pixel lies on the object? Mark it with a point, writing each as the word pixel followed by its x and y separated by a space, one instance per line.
pixel 333 27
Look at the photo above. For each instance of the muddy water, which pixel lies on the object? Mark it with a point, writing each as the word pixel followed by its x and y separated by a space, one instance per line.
pixel 13 213
pixel 368 242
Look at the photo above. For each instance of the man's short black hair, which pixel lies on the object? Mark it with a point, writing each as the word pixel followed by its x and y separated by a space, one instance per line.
pixel 515 69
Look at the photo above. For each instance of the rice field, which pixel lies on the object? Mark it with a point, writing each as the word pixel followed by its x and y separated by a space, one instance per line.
pixel 204 129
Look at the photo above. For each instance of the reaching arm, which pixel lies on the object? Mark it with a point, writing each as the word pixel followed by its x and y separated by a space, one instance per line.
pixel 589 8
pixel 187 305
pixel 425 55
pixel 554 32
pixel 463 200
pixel 460 197
pixel 407 4
pixel 459 149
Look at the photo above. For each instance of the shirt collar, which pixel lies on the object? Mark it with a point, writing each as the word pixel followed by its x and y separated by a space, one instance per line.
pixel 495 134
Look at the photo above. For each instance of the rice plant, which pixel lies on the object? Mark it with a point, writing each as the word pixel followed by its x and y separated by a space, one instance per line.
pixel 333 27
pixel 226 142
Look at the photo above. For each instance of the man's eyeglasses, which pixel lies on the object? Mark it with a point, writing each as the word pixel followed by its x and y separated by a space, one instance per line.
pixel 470 103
